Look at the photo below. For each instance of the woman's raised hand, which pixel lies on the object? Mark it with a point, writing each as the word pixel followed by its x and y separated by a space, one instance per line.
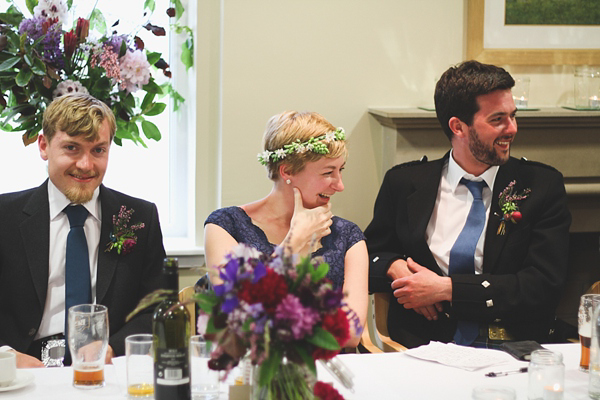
pixel 308 225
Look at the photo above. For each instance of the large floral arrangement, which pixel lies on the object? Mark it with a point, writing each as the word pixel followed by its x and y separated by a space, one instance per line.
pixel 275 311
pixel 42 57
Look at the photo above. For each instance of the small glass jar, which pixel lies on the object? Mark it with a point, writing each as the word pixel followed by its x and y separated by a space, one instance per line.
pixel 546 376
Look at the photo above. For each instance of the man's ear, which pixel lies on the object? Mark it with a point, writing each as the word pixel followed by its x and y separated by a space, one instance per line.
pixel 43 146
pixel 459 128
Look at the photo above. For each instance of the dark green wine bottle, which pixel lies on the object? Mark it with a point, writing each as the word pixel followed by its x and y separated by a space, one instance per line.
pixel 171 330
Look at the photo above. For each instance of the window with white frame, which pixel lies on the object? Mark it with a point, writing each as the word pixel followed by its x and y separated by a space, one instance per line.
pixel 164 171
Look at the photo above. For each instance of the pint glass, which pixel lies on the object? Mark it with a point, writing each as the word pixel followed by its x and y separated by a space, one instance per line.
pixel 88 342
pixel 584 325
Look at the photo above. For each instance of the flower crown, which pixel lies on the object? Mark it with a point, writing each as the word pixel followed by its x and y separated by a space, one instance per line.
pixel 314 144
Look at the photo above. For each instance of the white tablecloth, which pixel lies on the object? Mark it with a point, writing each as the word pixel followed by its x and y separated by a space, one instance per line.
pixel 377 376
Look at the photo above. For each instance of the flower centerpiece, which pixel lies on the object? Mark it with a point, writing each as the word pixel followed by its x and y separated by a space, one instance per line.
pixel 43 57
pixel 279 312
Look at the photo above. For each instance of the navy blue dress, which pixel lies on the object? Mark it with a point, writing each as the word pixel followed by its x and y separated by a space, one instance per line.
pixel 344 234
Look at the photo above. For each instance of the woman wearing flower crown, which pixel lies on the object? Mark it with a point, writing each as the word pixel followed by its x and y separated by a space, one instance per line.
pixel 304 155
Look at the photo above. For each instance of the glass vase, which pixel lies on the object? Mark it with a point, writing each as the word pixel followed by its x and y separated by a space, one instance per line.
pixel 291 381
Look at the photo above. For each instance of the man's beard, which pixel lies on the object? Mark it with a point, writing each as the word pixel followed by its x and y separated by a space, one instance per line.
pixel 483 153
pixel 79 195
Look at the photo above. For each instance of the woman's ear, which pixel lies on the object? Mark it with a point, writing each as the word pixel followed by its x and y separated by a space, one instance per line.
pixel 284 172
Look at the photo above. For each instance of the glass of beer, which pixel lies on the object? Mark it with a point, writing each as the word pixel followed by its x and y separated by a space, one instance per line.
pixel 140 366
pixel 584 325
pixel 88 342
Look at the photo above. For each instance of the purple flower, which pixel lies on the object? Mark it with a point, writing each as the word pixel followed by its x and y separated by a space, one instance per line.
pixel 332 298
pixel 292 314
pixel 116 41
pixel 52 53
pixel 33 27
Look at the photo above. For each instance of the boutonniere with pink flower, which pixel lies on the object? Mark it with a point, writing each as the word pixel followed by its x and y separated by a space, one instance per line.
pixel 123 236
pixel 509 204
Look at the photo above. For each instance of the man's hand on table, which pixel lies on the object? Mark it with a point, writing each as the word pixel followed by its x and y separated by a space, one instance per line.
pixel 27 361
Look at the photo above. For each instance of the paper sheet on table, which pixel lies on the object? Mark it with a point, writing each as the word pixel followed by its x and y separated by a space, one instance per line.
pixel 463 357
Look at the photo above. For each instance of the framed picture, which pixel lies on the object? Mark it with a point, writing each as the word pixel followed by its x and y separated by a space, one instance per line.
pixel 567 47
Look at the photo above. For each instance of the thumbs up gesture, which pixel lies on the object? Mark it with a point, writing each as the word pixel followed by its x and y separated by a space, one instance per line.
pixel 307 224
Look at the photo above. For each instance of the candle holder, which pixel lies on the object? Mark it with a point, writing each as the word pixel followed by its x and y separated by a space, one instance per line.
pixel 546 376
pixel 520 92
pixel 587 88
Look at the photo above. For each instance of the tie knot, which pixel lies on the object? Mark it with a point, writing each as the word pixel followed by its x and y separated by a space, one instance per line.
pixel 475 187
pixel 76 214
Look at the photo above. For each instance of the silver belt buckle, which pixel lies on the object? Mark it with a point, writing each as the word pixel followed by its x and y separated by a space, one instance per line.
pixel 53 353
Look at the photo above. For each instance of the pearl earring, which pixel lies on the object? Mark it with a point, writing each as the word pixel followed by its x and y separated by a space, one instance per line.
pixel 288 181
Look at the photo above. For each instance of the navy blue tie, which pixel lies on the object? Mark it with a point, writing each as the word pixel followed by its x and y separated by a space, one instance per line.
pixel 78 288
pixel 462 255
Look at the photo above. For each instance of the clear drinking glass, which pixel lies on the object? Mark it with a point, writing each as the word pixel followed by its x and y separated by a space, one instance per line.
pixel 88 342
pixel 584 326
pixel 520 92
pixel 587 88
pixel 140 366
pixel 205 381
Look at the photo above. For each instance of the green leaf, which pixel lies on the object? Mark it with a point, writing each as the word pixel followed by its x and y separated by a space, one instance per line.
pixel 11 18
pixel 322 338
pixel 8 64
pixel 31 5
pixel 28 59
pixel 320 272
pixel 210 327
pixel 269 366
pixel 123 48
pixel 39 68
pixel 69 4
pixel 187 53
pixel 178 8
pixel 150 5
pixel 152 57
pixel 156 109
pixel 152 87
pixel 98 22
pixel 150 130
pixel 23 77
pixel 307 358
pixel 206 301
pixel 148 99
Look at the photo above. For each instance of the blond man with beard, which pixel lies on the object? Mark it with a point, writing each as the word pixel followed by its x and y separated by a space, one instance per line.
pixel 77 134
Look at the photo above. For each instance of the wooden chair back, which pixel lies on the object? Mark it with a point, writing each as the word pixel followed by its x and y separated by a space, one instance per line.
pixel 186 294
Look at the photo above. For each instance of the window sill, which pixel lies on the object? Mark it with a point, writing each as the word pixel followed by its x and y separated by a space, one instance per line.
pixel 189 255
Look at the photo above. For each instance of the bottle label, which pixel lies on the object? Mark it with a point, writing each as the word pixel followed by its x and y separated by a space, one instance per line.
pixel 172 367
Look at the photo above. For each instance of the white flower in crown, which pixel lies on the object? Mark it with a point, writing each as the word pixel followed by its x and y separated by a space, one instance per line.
pixel 302 148
pixel 310 147
pixel 330 136
pixel 280 153
pixel 264 157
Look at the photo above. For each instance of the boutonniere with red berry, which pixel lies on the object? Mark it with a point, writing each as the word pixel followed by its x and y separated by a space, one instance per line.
pixel 509 204
pixel 123 236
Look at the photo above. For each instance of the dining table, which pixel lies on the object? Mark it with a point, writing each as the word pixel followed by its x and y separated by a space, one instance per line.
pixel 376 376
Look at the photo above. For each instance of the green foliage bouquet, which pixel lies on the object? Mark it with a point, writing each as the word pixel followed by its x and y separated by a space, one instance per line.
pixel 41 59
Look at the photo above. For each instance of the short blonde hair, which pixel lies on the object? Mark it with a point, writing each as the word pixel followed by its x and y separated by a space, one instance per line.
pixel 77 114
pixel 290 126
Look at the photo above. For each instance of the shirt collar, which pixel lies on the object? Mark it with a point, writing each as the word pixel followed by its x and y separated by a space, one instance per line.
pixel 456 173
pixel 58 201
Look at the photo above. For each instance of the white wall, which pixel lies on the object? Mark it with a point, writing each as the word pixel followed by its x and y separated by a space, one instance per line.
pixel 336 57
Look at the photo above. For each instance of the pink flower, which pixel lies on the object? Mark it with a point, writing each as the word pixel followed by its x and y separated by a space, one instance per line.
pixel 128 245
pixel 135 70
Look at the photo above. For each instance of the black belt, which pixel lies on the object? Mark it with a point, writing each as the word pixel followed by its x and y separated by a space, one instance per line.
pixel 50 350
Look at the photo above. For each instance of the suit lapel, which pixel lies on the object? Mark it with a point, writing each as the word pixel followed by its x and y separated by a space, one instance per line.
pixel 107 262
pixel 420 206
pixel 493 241
pixel 35 229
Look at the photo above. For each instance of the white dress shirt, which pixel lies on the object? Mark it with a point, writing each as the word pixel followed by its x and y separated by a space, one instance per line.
pixel 53 319
pixel 452 206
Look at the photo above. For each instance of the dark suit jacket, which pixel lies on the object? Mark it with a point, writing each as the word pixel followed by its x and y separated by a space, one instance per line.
pixel 525 269
pixel 122 280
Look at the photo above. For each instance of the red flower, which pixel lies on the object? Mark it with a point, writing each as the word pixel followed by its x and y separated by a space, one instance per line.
pixel 83 29
pixel 336 324
pixel 70 43
pixel 269 291
pixel 324 391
